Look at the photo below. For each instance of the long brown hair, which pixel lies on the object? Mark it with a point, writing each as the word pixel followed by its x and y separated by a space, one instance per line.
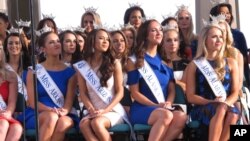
pixel 107 66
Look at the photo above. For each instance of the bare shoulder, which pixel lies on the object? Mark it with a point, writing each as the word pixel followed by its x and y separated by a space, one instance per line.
pixel 231 63
pixel 11 76
pixel 130 65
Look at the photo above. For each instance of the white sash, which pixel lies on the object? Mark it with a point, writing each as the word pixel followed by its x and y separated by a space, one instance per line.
pixel 211 77
pixel 178 75
pixel 151 80
pixel 21 86
pixel 50 86
pixel 3 105
pixel 93 80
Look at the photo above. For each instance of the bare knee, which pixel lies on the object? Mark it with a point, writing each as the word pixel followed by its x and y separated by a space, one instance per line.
pixel 161 115
pixel 84 124
pixel 48 119
pixel 231 118
pixel 4 126
pixel 179 118
pixel 63 124
pixel 97 125
pixel 15 132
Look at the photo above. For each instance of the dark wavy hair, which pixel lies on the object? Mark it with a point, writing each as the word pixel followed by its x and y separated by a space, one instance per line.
pixel 107 66
pixel 24 61
pixel 123 56
pixel 129 11
pixel 43 21
pixel 5 19
pixel 215 11
pixel 76 56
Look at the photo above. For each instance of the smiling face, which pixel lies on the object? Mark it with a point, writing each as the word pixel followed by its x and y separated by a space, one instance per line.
pixel 135 18
pixel 225 11
pixel 14 46
pixel 118 43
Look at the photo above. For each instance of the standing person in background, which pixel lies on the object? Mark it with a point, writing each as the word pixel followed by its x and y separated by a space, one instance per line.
pixel 102 97
pixel 10 129
pixel 90 19
pixel 55 100
pixel 130 34
pixel 134 16
pixel 239 38
pixel 4 26
pixel 49 21
pixel 213 85
pixel 153 99
pixel 188 40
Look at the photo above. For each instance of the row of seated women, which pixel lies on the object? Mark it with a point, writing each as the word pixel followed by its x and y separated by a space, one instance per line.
pixel 213 78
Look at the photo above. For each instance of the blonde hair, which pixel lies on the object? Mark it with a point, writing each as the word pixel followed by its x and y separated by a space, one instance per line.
pixel 190 35
pixel 202 50
pixel 230 51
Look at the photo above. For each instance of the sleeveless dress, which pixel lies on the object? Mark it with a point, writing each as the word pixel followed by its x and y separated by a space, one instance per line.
pixel 98 103
pixel 4 92
pixel 140 113
pixel 204 113
pixel 61 79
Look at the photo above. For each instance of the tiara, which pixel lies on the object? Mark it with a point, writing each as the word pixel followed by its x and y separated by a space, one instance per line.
pixel 126 26
pixel 70 28
pixel 22 23
pixel 215 20
pixel 79 29
pixel 14 30
pixel 134 4
pixel 90 9
pixel 144 19
pixel 45 29
pixel 216 2
pixel 168 15
pixel 4 11
pixel 182 8
pixel 113 28
pixel 169 27
pixel 220 17
pixel 50 16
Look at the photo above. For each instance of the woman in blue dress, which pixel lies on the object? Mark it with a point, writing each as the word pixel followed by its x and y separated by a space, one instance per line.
pixel 55 116
pixel 147 108
pixel 210 107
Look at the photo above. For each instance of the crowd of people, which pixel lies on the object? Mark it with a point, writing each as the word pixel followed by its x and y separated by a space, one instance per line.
pixel 145 57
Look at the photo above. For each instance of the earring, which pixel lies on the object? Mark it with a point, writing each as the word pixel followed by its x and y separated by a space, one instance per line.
pixel 44 55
